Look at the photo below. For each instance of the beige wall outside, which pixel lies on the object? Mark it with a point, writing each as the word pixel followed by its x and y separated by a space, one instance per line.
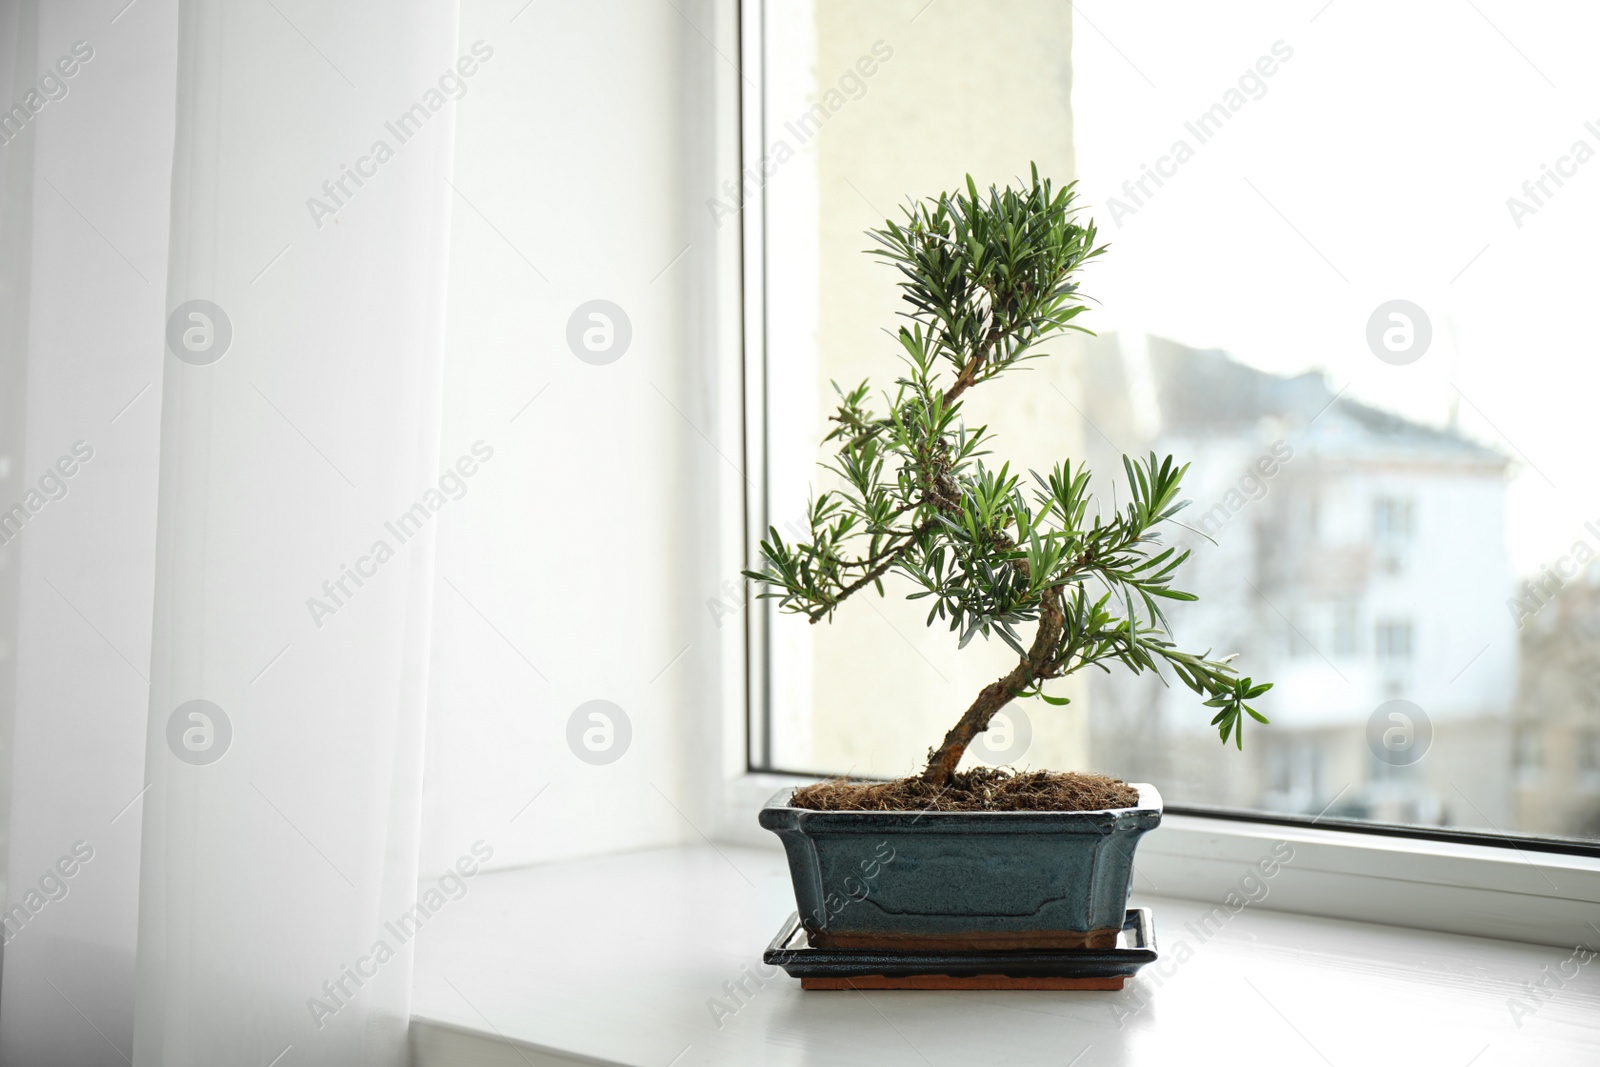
pixel 966 90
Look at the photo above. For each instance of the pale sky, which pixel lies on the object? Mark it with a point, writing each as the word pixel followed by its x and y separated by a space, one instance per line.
pixel 1375 166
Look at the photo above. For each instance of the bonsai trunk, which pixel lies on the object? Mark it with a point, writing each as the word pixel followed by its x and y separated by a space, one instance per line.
pixel 997 694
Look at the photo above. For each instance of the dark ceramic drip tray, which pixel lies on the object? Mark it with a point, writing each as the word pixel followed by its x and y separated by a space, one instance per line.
pixel 855 968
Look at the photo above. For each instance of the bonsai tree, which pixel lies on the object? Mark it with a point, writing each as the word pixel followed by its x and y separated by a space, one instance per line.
pixel 986 279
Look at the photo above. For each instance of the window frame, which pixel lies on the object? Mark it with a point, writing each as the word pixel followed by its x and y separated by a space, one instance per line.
pixel 1441 878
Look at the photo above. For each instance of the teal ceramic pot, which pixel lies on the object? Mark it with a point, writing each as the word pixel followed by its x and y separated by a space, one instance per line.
pixel 962 879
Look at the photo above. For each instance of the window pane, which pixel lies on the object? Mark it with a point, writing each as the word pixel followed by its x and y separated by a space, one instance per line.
pixel 1357 305
pixel 864 106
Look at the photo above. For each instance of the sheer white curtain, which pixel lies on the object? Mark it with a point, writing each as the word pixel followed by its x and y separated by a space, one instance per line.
pixel 282 247
pixel 311 205
pixel 86 167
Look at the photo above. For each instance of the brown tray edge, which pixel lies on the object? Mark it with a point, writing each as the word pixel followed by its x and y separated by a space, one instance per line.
pixel 945 981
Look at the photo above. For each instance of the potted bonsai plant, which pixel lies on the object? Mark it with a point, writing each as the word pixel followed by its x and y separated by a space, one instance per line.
pixel 984 859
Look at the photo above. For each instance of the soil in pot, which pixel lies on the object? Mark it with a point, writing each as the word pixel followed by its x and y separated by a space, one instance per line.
pixel 980 789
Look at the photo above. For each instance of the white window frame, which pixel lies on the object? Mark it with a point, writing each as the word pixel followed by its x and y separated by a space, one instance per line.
pixel 1504 886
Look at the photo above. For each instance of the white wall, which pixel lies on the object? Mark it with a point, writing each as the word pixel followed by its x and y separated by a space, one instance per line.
pixel 578 565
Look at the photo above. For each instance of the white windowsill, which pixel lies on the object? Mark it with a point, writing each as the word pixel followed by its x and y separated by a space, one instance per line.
pixel 614 960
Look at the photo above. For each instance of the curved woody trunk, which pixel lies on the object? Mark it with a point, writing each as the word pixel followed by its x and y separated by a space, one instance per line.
pixel 942 762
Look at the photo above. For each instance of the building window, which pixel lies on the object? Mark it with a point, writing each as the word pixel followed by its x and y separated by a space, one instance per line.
pixel 1392 529
pixel 1588 759
pixel 1393 640
pixel 1301 644
pixel 1528 758
pixel 1392 520
pixel 1346 635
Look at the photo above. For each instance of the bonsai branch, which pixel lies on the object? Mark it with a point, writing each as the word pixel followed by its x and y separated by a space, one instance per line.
pixel 823 611
pixel 888 558
pixel 968 375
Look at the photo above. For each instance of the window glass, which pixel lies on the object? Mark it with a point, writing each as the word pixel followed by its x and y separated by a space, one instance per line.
pixel 1355 304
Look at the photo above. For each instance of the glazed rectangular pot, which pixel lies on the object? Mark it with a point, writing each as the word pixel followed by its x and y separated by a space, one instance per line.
pixel 962 879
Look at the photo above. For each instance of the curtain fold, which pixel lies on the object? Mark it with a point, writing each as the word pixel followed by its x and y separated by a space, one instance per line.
pixel 224 230
pixel 86 114
pixel 294 551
